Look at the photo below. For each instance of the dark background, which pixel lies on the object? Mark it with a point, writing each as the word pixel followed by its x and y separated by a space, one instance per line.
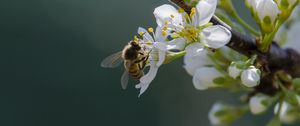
pixel 52 74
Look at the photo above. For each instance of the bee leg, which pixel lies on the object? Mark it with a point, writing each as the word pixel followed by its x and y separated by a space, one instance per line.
pixel 140 67
pixel 145 61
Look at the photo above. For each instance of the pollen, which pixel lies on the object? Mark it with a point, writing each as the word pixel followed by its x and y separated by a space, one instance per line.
pixel 193 12
pixel 190 33
pixel 166 22
pixel 150 30
pixel 164 33
pixel 135 38
pixel 165 28
pixel 141 33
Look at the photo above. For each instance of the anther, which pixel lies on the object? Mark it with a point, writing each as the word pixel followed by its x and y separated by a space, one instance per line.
pixel 141 33
pixel 150 29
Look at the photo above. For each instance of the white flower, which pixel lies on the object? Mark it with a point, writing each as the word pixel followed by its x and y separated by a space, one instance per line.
pixel 250 77
pixel 221 114
pixel 288 114
pixel 157 56
pixel 234 71
pixel 174 23
pixel 195 58
pixel 212 116
pixel 216 36
pixel 166 13
pixel 267 8
pixel 259 104
pixel 293 37
pixel 204 78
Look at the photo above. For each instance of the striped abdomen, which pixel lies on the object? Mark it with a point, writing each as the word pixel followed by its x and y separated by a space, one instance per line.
pixel 135 71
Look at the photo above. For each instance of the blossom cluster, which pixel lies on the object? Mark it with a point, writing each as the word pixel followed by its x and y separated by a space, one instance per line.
pixel 211 64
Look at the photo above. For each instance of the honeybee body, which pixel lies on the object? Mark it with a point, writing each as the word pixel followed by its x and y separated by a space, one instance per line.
pixel 135 58
pixel 134 70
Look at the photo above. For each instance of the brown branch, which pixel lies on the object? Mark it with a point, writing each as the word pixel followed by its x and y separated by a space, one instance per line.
pixel 276 58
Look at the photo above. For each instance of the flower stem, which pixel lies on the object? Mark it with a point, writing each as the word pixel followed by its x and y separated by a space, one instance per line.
pixel 246 25
pixel 268 38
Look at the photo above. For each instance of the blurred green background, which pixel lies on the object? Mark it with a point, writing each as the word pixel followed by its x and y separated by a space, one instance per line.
pixel 53 75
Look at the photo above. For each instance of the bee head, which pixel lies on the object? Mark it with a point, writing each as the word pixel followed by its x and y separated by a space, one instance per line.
pixel 135 45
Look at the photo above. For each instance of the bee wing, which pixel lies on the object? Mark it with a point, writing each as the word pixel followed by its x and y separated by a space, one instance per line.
pixel 124 79
pixel 113 60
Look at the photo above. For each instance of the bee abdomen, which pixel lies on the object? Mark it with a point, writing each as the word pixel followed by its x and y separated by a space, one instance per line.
pixel 136 74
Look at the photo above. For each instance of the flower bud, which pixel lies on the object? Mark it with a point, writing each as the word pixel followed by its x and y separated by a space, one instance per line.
pixel 259 104
pixel 288 114
pixel 221 114
pixel 250 77
pixel 205 77
pixel 235 69
pixel 267 11
pixel 286 7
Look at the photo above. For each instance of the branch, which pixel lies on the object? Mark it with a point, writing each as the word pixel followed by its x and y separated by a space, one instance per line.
pixel 275 59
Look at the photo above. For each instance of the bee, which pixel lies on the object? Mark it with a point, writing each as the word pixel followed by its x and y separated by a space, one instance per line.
pixel 135 59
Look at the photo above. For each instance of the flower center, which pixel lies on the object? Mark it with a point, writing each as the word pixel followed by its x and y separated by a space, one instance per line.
pixel 190 33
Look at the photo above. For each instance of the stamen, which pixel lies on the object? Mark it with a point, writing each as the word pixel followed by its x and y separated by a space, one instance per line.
pixel 142 33
pixel 165 28
pixel 166 22
pixel 193 12
pixel 135 38
pixel 150 29
pixel 164 33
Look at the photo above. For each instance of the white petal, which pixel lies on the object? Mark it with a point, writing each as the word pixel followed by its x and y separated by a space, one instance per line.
pixel 161 58
pixel 234 72
pixel 214 120
pixel 191 64
pixel 176 44
pixel 160 46
pixel 256 104
pixel 204 77
pixel 163 13
pixel 147 79
pixel 216 36
pixel 250 77
pixel 205 9
pixel 267 8
pixel 194 49
pixel 147 36
pixel 158 35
